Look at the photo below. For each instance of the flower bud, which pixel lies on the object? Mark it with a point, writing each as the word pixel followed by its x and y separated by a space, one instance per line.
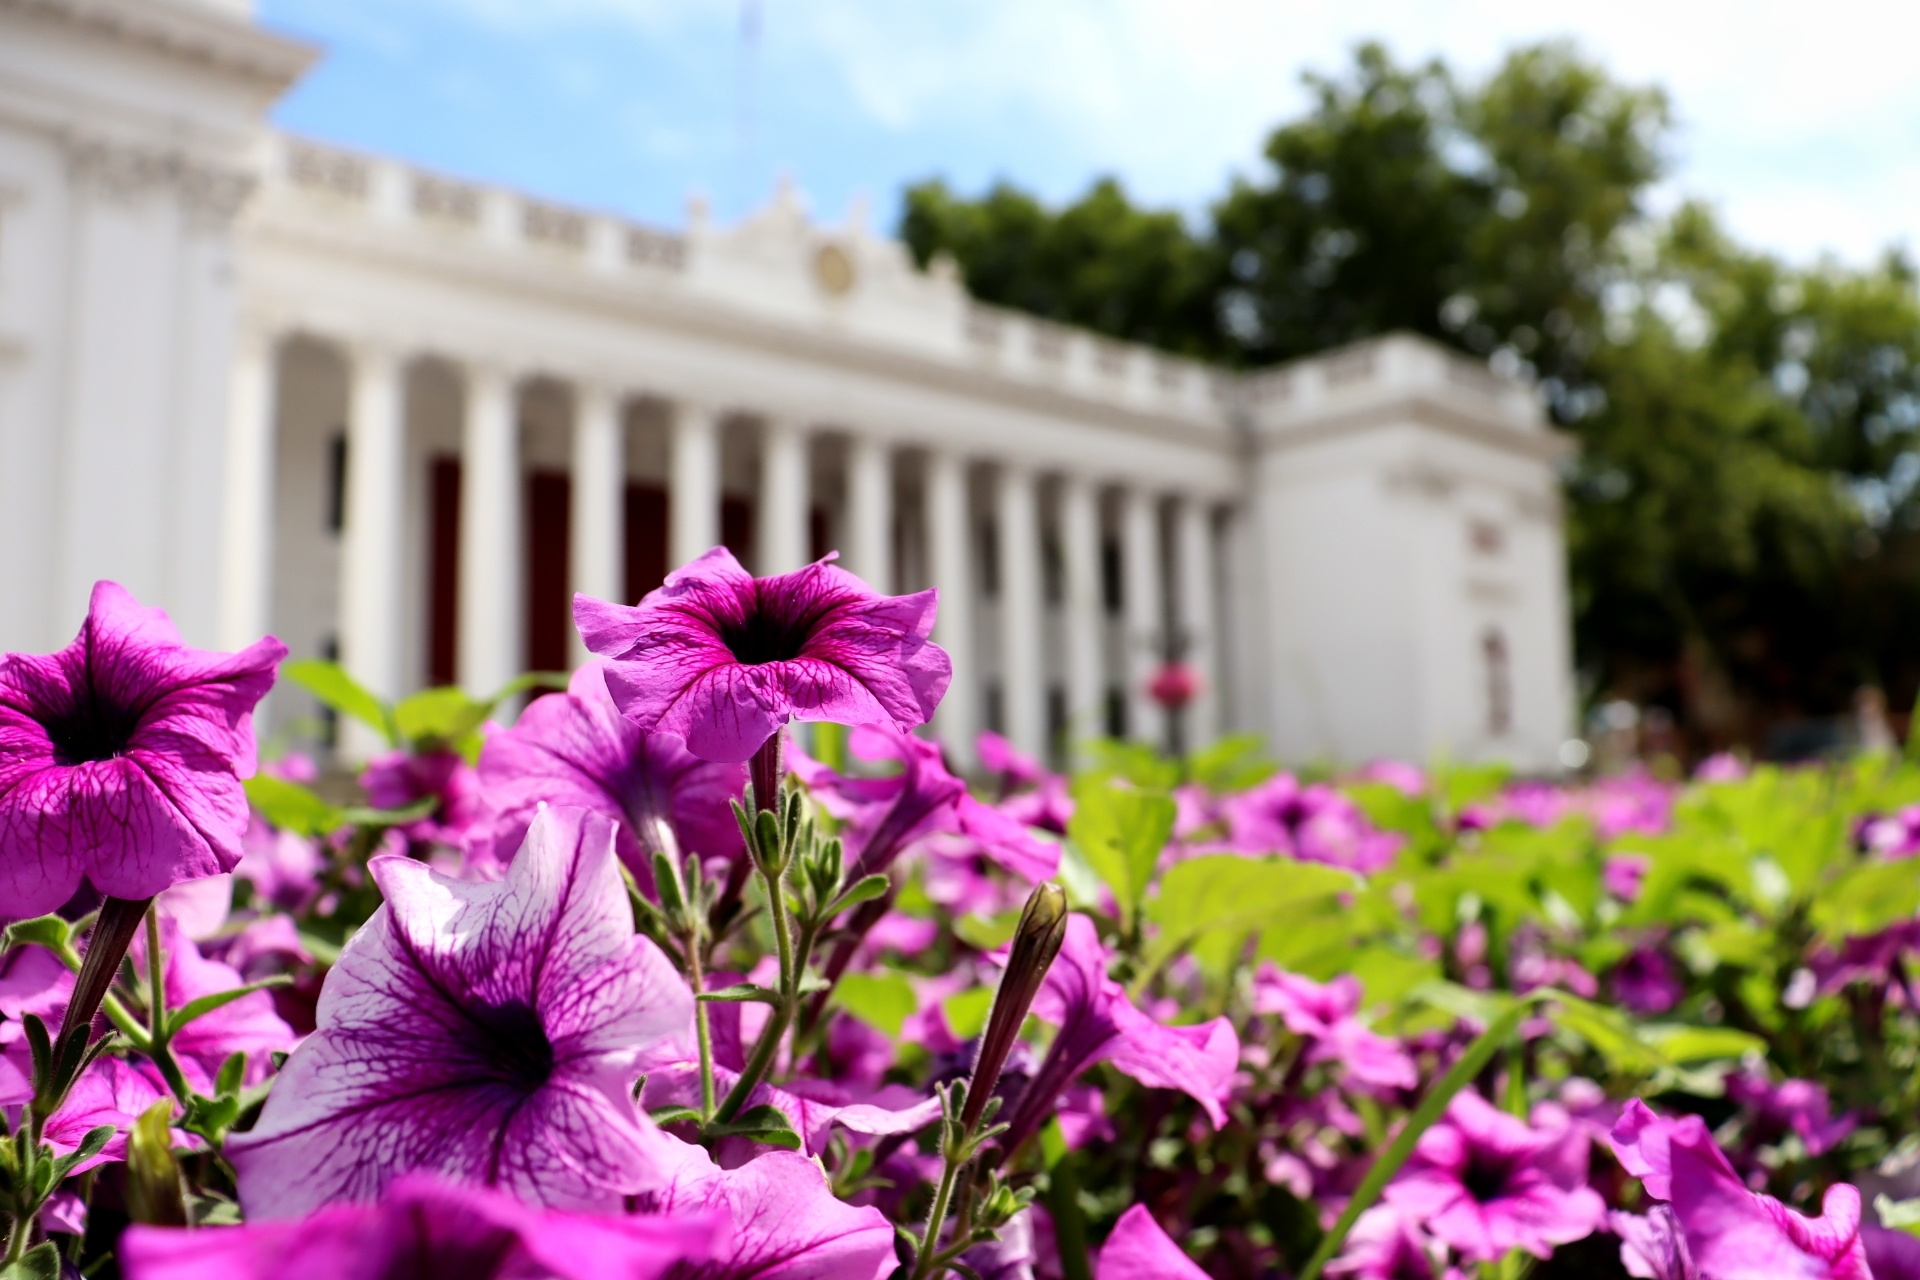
pixel 154 1194
pixel 1036 941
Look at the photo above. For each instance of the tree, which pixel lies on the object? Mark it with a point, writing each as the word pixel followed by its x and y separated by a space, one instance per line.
pixel 1744 511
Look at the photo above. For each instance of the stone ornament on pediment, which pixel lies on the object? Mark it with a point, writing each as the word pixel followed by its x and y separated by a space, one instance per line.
pixel 124 173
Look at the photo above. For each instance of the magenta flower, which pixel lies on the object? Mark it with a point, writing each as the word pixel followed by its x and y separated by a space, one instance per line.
pixel 113 1092
pixel 1384 1245
pixel 1622 873
pixel 484 1031
pixel 884 815
pixel 1014 767
pixel 1314 824
pixel 121 758
pixel 1646 981
pixel 1483 1182
pixel 786 1222
pixel 1727 1230
pixel 1799 1107
pixel 578 750
pixel 282 866
pixel 1139 1249
pixel 426 1227
pixel 723 659
pixel 1098 1023
pixel 1652 1245
pixel 400 778
pixel 248 1025
pixel 1325 1015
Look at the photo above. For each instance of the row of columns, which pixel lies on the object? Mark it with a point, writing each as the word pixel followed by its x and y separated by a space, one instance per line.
pixel 372 592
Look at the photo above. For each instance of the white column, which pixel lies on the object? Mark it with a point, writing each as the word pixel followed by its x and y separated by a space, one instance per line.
pixel 950 547
pixel 868 549
pixel 1081 610
pixel 246 570
pixel 492 628
pixel 1145 620
pixel 1194 583
pixel 785 489
pixel 373 536
pixel 599 482
pixel 693 505
pixel 1022 646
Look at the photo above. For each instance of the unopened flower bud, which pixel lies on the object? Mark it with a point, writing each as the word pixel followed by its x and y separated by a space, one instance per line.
pixel 1036 941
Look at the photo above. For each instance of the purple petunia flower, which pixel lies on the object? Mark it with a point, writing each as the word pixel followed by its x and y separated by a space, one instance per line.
pixel 1015 768
pixel 121 758
pixel 885 815
pixel 786 1222
pixel 1647 982
pixel 1484 1182
pixel 1139 1249
pixel 1726 1230
pixel 723 659
pixel 1325 1015
pixel 578 750
pixel 426 1227
pixel 248 1025
pixel 1384 1245
pixel 1314 824
pixel 1652 1246
pixel 401 778
pixel 1799 1107
pixel 484 1031
pixel 1098 1023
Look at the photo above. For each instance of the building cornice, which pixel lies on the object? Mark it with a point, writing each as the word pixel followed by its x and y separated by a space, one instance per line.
pixel 1418 407
pixel 194 34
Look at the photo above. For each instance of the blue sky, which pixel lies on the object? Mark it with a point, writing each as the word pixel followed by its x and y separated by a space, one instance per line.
pixel 1806 133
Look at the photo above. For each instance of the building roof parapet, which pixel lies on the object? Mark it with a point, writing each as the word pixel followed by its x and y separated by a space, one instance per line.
pixel 199 31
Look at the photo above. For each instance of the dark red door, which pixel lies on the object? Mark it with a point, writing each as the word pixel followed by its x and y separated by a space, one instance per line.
pixel 443 572
pixel 646 527
pixel 549 605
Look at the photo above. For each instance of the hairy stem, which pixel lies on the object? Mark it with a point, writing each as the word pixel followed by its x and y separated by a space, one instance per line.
pixel 929 1244
pixel 702 1027
pixel 157 1038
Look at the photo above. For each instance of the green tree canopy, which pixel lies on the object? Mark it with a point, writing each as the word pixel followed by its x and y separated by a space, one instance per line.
pixel 1744 511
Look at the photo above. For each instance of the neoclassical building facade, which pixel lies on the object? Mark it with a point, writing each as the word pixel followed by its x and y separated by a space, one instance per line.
pixel 398 418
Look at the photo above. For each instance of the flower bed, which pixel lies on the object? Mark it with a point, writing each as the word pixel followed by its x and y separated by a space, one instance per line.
pixel 659 983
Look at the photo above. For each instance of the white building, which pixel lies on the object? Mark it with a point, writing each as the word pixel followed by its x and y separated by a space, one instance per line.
pixel 400 417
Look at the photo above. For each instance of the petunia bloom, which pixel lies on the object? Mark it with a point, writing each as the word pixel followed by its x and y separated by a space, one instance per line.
pixel 1484 1182
pixel 401 778
pixel 1326 1015
pixel 577 750
pixel 885 815
pixel 485 1031
pixel 1314 824
pixel 121 758
pixel 1800 1107
pixel 426 1227
pixel 723 659
pixel 247 1025
pixel 1139 1249
pixel 786 1222
pixel 1098 1023
pixel 1729 1232
pixel 1385 1245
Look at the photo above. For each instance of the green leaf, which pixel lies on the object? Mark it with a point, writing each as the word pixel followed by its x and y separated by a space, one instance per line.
pixel 360 816
pixel 865 889
pixel 42 1262
pixel 1683 1045
pixel 967 1011
pixel 675 1115
pixel 206 1004
pixel 761 1124
pixel 292 807
pixel 742 993
pixel 985 933
pixel 329 682
pixel 1236 762
pixel 1235 894
pixel 51 932
pixel 438 717
pixel 1121 832
pixel 883 1001
pixel 1867 899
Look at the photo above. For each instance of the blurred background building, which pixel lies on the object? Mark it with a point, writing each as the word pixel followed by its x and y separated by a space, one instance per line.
pixel 398 418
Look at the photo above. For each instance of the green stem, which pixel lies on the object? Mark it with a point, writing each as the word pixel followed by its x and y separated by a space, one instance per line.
pixel 157 1038
pixel 776 1028
pixel 702 1028
pixel 923 1266
pixel 1431 1108
pixel 1069 1227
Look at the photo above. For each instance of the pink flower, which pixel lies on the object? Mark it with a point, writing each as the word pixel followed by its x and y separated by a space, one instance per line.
pixel 121 758
pixel 1314 824
pixel 1098 1023
pixel 426 1227
pixel 1723 766
pixel 1793 1106
pixel 248 1025
pixel 1622 873
pixel 1484 1182
pixel 113 1092
pixel 1384 1245
pixel 400 778
pixel 1324 1013
pixel 1407 779
pixel 884 815
pixel 283 867
pixel 1729 1232
pixel 1014 767
pixel 1174 685
pixel 1139 1249
pixel 485 1031
pixel 577 750
pixel 723 659
pixel 1647 982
